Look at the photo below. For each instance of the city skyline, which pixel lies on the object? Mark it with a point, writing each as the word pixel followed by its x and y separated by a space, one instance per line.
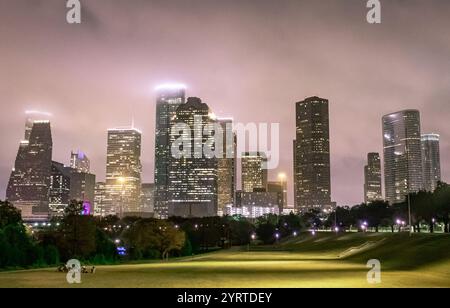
pixel 385 75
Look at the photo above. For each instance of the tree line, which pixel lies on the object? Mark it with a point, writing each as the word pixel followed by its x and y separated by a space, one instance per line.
pixel 97 240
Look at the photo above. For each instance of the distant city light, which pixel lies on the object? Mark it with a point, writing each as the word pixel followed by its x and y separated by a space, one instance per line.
pixel 171 86
pixel 38 113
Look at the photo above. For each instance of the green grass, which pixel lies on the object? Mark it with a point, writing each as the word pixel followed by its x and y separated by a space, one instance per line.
pixel 326 260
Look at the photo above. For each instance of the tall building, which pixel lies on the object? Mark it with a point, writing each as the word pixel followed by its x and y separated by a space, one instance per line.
pixel 29 184
pixel 82 186
pixel 169 98
pixel 192 188
pixel 148 197
pixel 312 155
pixel 226 167
pixel 99 200
pixel 280 188
pixel 254 171
pixel 402 154
pixel 123 171
pixel 431 161
pixel 80 162
pixel 372 178
pixel 59 195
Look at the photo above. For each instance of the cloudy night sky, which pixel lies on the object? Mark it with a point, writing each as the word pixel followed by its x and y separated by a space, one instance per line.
pixel 247 59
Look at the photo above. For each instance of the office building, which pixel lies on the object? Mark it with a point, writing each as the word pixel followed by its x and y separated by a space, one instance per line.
pixel 29 184
pixel 226 166
pixel 192 188
pixel 312 155
pixel 431 161
pixel 123 171
pixel 402 154
pixel 169 98
pixel 254 171
pixel 372 179
pixel 80 162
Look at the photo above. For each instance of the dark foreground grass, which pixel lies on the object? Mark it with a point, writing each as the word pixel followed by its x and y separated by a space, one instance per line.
pixel 326 260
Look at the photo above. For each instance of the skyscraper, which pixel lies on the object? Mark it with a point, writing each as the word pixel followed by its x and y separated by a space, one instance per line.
pixel 82 186
pixel 431 161
pixel 372 178
pixel 312 155
pixel 192 188
pixel 226 166
pixel 169 98
pixel 279 187
pixel 99 200
pixel 148 197
pixel 80 162
pixel 59 196
pixel 254 172
pixel 29 184
pixel 123 171
pixel 402 154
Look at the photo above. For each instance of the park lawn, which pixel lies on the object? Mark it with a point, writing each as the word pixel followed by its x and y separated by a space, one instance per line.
pixel 325 260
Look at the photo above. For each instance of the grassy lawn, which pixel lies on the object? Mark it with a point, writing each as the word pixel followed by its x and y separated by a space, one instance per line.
pixel 326 260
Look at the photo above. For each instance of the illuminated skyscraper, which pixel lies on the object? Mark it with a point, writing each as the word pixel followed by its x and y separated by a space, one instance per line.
pixel 29 184
pixel 80 162
pixel 192 188
pixel 226 166
pixel 99 200
pixel 59 197
pixel 169 98
pixel 372 178
pixel 402 154
pixel 123 171
pixel 431 161
pixel 312 155
pixel 254 172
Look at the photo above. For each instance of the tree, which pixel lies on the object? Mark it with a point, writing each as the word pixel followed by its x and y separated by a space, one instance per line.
pixel 148 234
pixel 9 214
pixel 441 198
pixel 78 232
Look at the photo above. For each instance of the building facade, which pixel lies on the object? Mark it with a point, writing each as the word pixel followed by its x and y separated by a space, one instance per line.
pixel 192 187
pixel 254 204
pixel 59 195
pixel 29 183
pixel 99 200
pixel 402 155
pixel 226 167
pixel 372 179
pixel 431 161
pixel 254 171
pixel 148 197
pixel 80 162
pixel 123 171
pixel 169 98
pixel 312 155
